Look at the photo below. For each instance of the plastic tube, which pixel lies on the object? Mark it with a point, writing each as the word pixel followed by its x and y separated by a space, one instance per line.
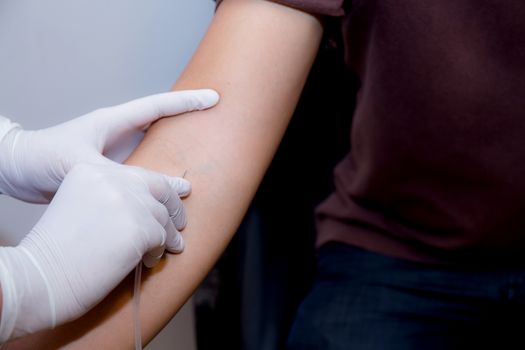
pixel 136 306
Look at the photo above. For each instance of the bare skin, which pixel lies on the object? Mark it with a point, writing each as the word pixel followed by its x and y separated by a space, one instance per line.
pixel 257 54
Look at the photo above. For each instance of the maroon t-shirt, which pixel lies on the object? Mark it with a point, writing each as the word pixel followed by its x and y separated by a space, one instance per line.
pixel 436 171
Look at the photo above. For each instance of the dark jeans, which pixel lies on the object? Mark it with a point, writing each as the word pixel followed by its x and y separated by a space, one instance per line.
pixel 363 300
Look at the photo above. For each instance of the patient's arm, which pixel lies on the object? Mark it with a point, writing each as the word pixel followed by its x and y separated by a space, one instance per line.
pixel 257 54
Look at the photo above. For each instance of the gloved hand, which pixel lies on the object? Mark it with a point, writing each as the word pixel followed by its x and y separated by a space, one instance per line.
pixel 33 163
pixel 100 223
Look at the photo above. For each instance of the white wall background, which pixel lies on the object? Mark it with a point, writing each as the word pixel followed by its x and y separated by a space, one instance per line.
pixel 60 59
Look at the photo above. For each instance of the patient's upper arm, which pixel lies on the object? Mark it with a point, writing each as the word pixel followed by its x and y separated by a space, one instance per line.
pixel 257 54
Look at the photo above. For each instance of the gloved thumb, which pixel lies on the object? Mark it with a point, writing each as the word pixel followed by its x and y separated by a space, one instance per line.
pixel 138 114
pixel 97 158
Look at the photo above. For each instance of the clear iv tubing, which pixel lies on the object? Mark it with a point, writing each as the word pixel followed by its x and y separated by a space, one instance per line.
pixel 136 306
pixel 136 300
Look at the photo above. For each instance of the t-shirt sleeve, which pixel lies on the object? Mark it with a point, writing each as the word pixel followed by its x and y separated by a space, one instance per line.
pixel 316 7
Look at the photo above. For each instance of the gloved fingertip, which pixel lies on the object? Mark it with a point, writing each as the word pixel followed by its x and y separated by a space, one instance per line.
pixel 180 185
pixel 176 244
pixel 153 257
pixel 180 221
pixel 150 261
pixel 208 98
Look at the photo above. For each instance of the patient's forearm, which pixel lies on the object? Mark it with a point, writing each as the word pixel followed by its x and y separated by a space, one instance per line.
pixel 257 55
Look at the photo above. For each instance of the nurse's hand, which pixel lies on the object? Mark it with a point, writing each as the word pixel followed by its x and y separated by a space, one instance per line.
pixel 33 163
pixel 102 221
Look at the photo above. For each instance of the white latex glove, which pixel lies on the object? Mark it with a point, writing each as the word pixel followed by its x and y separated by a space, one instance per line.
pixel 100 223
pixel 33 163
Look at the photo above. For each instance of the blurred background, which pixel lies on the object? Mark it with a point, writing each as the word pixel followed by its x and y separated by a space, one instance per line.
pixel 60 59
